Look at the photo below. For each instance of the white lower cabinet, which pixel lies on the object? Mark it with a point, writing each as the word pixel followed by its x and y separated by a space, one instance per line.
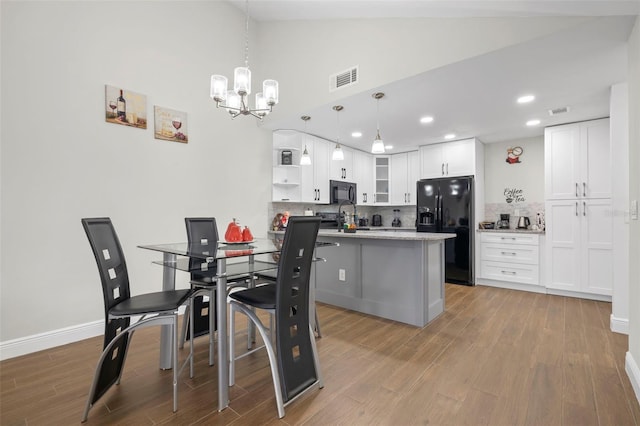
pixel 580 246
pixel 510 257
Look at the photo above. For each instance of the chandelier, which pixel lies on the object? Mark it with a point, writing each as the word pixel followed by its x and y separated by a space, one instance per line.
pixel 236 101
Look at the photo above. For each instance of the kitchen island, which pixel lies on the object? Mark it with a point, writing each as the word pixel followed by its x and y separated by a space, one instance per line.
pixel 396 275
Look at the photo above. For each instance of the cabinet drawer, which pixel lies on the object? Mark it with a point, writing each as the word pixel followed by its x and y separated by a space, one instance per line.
pixel 513 272
pixel 509 238
pixel 510 253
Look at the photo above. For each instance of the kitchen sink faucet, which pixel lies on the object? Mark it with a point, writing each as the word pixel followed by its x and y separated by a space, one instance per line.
pixel 355 212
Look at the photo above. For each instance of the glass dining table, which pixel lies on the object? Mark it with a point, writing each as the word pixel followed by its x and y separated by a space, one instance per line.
pixel 229 260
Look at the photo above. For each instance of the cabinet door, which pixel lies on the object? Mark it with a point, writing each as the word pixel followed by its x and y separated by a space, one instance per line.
pixel 308 189
pixel 459 158
pixel 563 244
pixel 341 170
pixel 431 161
pixel 597 246
pixel 382 175
pixel 562 159
pixel 595 159
pixel 321 169
pixel 286 178
pixel 413 176
pixel 363 173
pixel 399 179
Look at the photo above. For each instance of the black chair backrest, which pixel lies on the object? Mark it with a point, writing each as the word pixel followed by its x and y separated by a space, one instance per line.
pixel 296 360
pixel 203 233
pixel 115 288
pixel 110 259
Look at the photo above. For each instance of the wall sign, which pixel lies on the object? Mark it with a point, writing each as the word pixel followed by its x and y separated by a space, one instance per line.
pixel 514 195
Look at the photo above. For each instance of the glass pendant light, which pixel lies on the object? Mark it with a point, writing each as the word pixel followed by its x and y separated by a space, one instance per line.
pixel 378 145
pixel 338 154
pixel 305 158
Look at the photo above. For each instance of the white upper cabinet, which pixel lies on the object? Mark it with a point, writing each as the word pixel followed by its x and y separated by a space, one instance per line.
pixel 341 169
pixel 578 161
pixel 405 172
pixel 448 159
pixel 363 174
pixel 382 176
pixel 314 180
pixel 293 182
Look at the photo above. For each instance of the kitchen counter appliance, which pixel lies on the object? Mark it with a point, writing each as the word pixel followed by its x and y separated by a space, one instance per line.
pixel 523 222
pixel 376 220
pixel 340 191
pixel 503 223
pixel 446 205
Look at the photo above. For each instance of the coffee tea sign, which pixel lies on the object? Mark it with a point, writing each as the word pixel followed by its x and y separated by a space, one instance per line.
pixel 514 195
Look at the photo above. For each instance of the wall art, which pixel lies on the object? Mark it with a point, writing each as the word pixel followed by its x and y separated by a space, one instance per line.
pixel 513 155
pixel 125 107
pixel 170 125
pixel 514 195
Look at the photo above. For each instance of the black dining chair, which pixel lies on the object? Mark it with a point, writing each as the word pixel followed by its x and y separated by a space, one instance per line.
pixel 202 236
pixel 294 360
pixel 160 308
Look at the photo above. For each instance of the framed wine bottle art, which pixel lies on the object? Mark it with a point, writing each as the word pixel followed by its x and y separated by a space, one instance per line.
pixel 170 125
pixel 125 107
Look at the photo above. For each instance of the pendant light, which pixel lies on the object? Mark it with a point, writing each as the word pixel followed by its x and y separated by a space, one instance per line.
pixel 378 145
pixel 338 154
pixel 305 159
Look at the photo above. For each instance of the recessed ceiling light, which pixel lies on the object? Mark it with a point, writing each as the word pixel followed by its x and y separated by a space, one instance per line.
pixel 449 136
pixel 534 122
pixel 356 134
pixel 388 147
pixel 426 119
pixel 525 99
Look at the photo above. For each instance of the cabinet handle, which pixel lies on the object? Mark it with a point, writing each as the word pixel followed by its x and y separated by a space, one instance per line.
pixel 508 272
pixel 577 194
pixel 509 252
pixel 584 208
pixel 442 169
pixel 364 197
pixel 584 189
pixel 447 169
pixel 508 238
pixel 576 208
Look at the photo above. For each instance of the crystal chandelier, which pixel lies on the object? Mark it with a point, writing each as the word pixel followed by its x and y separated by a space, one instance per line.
pixel 378 145
pixel 338 154
pixel 235 101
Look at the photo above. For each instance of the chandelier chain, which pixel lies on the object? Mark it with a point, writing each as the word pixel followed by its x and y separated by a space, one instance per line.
pixel 246 35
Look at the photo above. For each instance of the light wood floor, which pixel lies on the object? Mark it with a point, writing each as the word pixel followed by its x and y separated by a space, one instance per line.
pixel 495 357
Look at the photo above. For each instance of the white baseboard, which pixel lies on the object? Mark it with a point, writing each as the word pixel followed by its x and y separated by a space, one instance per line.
pixel 50 339
pixel 631 367
pixel 619 325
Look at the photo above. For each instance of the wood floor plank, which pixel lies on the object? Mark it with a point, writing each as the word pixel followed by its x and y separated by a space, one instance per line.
pixel 495 356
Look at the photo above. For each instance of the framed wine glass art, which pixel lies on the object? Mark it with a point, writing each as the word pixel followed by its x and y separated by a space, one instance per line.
pixel 170 125
pixel 125 107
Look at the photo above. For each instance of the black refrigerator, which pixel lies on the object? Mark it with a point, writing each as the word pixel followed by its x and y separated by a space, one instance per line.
pixel 446 205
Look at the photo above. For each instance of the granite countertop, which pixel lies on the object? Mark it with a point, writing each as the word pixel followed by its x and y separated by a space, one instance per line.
pixel 382 235
pixel 513 231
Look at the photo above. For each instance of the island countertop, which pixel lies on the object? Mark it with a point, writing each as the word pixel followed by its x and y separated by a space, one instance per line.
pixel 382 235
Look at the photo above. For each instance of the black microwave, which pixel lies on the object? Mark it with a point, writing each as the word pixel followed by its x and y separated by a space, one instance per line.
pixel 340 191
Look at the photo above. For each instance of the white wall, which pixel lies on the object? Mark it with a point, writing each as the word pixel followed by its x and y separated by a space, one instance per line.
pixel 619 125
pixel 633 357
pixel 306 53
pixel 62 162
pixel 528 176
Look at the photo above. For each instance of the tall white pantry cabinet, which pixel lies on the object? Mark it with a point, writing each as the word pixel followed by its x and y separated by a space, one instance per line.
pixel 579 218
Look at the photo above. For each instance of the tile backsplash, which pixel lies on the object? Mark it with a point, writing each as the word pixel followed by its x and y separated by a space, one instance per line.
pixel 492 211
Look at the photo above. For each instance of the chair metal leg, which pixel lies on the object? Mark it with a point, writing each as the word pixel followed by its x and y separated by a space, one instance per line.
pixel 190 341
pixel 273 361
pixel 317 324
pixel 232 351
pixel 188 314
pixel 174 345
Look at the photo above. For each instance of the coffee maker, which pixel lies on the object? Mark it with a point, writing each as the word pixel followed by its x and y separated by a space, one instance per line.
pixel 503 223
pixel 396 218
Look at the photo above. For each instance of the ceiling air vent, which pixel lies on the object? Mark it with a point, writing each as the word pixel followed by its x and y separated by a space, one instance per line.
pixel 557 111
pixel 343 79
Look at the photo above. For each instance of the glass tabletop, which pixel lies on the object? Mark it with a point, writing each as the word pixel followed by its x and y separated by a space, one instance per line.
pixel 205 250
